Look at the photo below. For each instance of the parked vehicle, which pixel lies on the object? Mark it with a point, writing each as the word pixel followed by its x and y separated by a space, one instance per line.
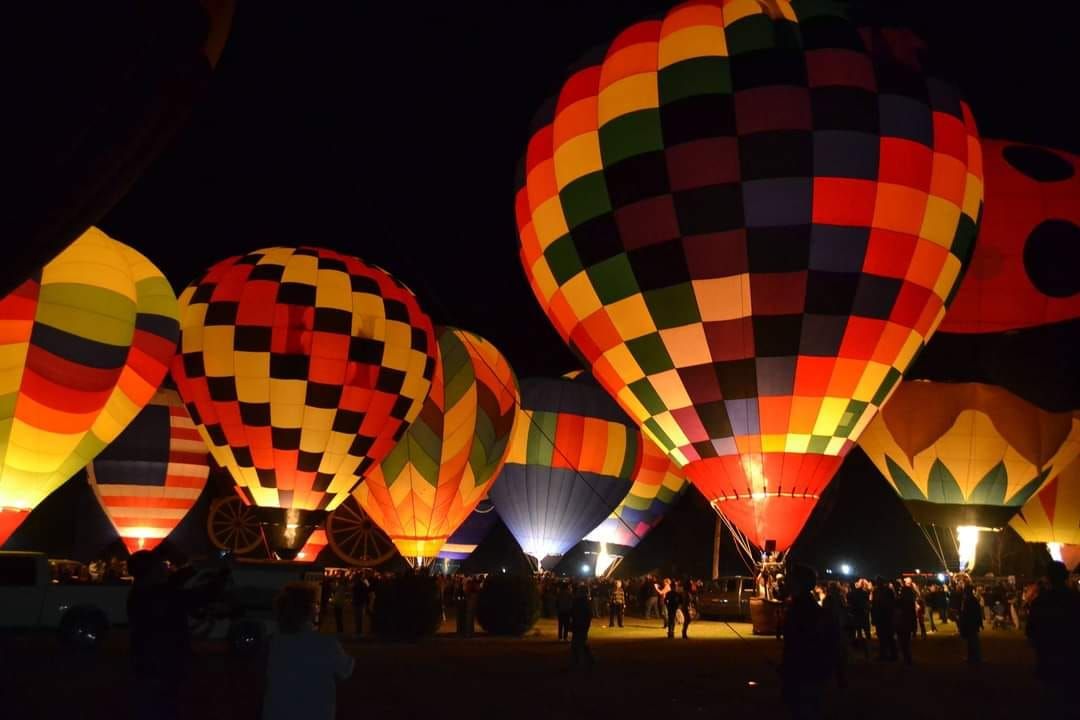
pixel 37 593
pixel 727 598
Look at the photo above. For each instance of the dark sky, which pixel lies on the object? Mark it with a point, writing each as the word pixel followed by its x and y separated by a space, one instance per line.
pixel 391 131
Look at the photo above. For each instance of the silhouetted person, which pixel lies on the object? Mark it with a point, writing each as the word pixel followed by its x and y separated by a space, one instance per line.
pixel 580 619
pixel 564 604
pixel 303 665
pixel 158 608
pixel 673 600
pixel 1054 631
pixel 804 672
pixel 618 604
pixel 970 623
pixel 859 607
pixel 882 612
pixel 361 596
pixel 906 618
pixel 651 598
pixel 662 590
pixel 836 617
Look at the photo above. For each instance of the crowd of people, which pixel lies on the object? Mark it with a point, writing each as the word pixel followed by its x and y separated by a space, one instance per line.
pixel 823 621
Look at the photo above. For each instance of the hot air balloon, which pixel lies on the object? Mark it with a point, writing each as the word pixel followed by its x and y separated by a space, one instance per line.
pixel 657 484
pixel 301 369
pixel 1015 321
pixel 83 346
pixel 967 455
pixel 151 475
pixel 461 544
pixel 430 482
pixel 572 456
pixel 104 89
pixel 1053 516
pixel 748 221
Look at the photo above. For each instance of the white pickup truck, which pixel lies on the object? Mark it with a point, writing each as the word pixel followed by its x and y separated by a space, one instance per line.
pixel 32 598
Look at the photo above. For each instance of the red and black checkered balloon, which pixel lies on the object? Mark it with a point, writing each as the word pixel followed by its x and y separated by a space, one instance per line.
pixel 747 220
pixel 301 368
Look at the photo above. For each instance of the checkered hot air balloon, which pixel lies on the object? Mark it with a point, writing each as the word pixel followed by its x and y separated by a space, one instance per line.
pixel 444 465
pixel 747 220
pixel 83 347
pixel 151 475
pixel 571 460
pixel 301 369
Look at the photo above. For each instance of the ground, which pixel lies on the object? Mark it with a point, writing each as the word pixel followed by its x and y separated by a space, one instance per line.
pixel 639 673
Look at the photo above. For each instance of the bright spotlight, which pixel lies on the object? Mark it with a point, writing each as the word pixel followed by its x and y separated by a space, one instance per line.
pixel 845 569
pixel 585 568
pixel 941 577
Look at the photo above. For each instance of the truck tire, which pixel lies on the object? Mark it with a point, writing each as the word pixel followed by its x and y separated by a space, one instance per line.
pixel 83 627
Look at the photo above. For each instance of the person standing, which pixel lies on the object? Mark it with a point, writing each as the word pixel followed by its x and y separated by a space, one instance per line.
pixel 882 612
pixel 803 675
pixel 652 598
pixel 618 605
pixel 970 622
pixel 338 598
pixel 673 601
pixel 158 610
pixel 859 608
pixel 662 591
pixel 361 595
pixel 1053 628
pixel 836 618
pixel 303 665
pixel 906 616
pixel 564 605
pixel 580 620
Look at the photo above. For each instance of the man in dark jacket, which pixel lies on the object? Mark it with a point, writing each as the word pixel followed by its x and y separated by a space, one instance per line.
pixel 677 599
pixel 970 622
pixel 882 612
pixel 1054 631
pixel 158 608
pixel 804 671
pixel 580 619
pixel 906 616
pixel 564 605
pixel 859 606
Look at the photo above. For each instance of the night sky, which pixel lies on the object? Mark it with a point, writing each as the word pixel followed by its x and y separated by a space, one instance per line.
pixel 391 131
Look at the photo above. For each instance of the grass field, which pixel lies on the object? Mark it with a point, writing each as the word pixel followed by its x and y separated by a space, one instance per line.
pixel 722 671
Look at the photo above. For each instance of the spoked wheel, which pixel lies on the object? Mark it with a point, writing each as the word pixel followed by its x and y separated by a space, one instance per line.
pixel 355 538
pixel 232 525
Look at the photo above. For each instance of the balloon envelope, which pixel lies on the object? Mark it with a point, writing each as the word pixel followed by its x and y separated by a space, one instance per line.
pixel 657 484
pixel 301 368
pixel 1053 515
pixel 106 88
pixel 470 533
pixel 571 459
pixel 748 221
pixel 84 345
pixel 151 475
pixel 965 453
pixel 449 457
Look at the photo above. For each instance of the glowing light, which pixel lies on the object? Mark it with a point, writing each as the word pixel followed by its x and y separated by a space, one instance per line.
pixel 845 569
pixel 755 475
pixel 967 537
pixel 751 683
pixel 585 567
pixel 292 524
pixel 1054 548
pixel 604 561
pixel 301 555
pixel 941 577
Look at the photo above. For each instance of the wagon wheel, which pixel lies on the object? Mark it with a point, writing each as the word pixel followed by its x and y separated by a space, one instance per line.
pixel 355 538
pixel 232 525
